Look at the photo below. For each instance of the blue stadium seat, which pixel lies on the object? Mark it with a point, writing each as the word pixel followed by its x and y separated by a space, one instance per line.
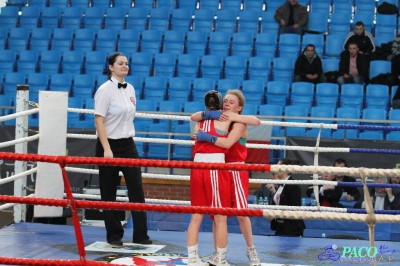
pixel 170 4
pixel 371 135
pixel 282 69
pixel 72 62
pixel 254 91
pixel 79 3
pixel 72 17
pixel 327 94
pixel 377 96
pixel 339 23
pixel 83 86
pixel 129 41
pixel 277 93
pixel 8 59
pixel 104 4
pixel 142 63
pixel 289 45
pixel 318 21
pixel 159 19
pixel 250 109
pixel 29 17
pixel 62 39
pixel 106 40
pixel 174 42
pixel 366 16
pixel 219 43
pixel 95 62
pixel 265 44
pixel 295 112
pixel 94 17
pixel 334 45
pixel 181 19
pixel 51 17
pixel 226 21
pixel 321 112
pixel 182 152
pixel 257 5
pixel 180 89
pixel 201 86
pixel 84 39
pixel 143 124
pixel 187 4
pixel 11 80
pixel 344 114
pixel 74 118
pixel 137 18
pixel 123 3
pixel 4 32
pixel 59 3
pixel 373 114
pixel 137 82
pixel 259 68
pixel 209 4
pixel 224 85
pixel 158 150
pixel 330 64
pixel 193 107
pixel 233 5
pixel 203 20
pixel 50 62
pixel 60 82
pixel 40 39
pixel 268 22
pixel 196 42
pixel 211 66
pixel 28 61
pixel 169 107
pixel 273 4
pixel 302 94
pixel 249 21
pixel 18 39
pixel 9 16
pixel 236 67
pixel 165 65
pixel 394 115
pixel 317 40
pixel 352 95
pixel 242 44
pixel 155 88
pixel 37 82
pixel 115 18
pixel 188 65
pixel 151 41
pixel 379 67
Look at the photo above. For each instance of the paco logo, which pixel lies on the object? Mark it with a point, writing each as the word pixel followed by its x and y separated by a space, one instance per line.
pixel 357 254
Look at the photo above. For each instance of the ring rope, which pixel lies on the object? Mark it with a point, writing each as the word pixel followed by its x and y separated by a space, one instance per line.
pixel 22 140
pixel 19 114
pixel 18 176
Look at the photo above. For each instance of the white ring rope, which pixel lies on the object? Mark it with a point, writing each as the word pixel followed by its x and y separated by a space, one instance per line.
pixel 16 141
pixel 19 114
pixel 18 176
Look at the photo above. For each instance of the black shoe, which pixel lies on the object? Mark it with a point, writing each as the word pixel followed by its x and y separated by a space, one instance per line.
pixel 117 243
pixel 145 242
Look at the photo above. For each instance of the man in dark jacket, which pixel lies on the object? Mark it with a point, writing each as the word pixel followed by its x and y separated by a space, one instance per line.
pixel 292 17
pixel 353 66
pixel 348 193
pixel 381 198
pixel 308 66
pixel 362 37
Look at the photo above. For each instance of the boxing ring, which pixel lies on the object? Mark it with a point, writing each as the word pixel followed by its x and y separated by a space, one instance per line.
pixel 272 250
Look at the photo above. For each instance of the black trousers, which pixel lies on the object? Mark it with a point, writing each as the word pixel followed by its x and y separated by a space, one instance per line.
pixel 110 180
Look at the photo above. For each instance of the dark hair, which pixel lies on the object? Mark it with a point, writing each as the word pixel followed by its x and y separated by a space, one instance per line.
pixel 111 60
pixel 340 161
pixel 290 161
pixel 360 23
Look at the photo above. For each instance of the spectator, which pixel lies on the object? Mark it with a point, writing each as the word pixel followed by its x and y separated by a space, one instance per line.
pixel 362 37
pixel 292 17
pixel 396 192
pixel 308 66
pixel 381 198
pixel 395 48
pixel 287 195
pixel 348 193
pixel 353 66
pixel 329 196
pixel 396 80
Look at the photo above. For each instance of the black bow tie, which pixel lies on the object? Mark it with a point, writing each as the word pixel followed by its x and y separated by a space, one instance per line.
pixel 122 85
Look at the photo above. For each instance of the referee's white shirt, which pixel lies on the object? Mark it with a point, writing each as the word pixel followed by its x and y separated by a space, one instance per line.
pixel 118 107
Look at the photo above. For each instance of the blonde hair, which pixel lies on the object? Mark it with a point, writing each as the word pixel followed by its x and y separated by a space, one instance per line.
pixel 239 95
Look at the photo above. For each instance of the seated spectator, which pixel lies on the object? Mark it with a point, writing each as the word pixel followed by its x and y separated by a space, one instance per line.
pixel 287 195
pixel 329 196
pixel 353 66
pixel 308 66
pixel 381 198
pixel 292 17
pixel 362 37
pixel 396 80
pixel 348 193
pixel 395 49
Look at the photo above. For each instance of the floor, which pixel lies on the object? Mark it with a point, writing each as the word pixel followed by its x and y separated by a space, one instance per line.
pixel 45 241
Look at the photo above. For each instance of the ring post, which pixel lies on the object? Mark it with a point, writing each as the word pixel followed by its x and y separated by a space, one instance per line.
pixel 21 126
